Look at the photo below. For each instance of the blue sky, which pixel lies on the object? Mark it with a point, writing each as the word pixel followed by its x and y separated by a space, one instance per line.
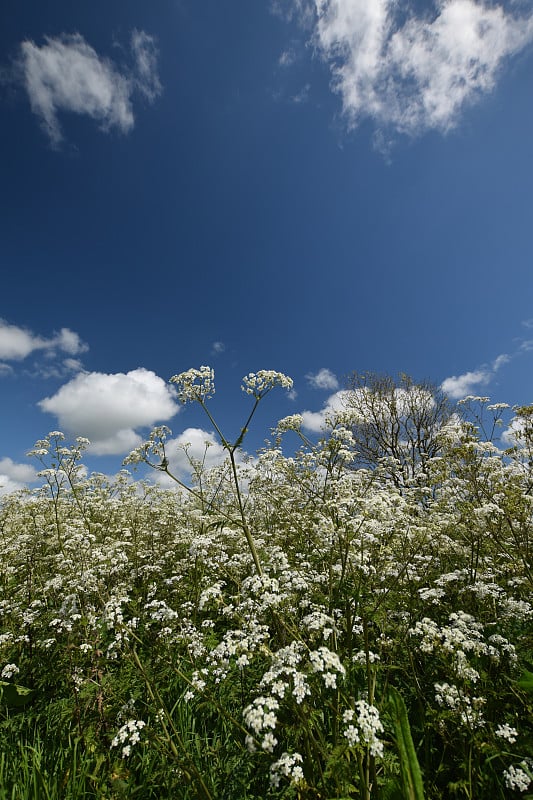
pixel 311 186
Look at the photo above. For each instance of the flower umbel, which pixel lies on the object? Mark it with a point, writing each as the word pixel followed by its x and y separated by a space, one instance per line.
pixel 259 383
pixel 195 384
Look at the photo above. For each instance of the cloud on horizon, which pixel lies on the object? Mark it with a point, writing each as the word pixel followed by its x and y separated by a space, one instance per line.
pixel 109 408
pixel 15 476
pixel 67 74
pixel 317 421
pixel 411 72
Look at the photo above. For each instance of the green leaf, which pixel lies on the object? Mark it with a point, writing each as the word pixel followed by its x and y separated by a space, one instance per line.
pixel 410 774
pixel 526 681
pixel 13 695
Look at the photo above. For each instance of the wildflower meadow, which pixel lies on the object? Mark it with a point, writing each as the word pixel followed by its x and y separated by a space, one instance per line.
pixel 304 623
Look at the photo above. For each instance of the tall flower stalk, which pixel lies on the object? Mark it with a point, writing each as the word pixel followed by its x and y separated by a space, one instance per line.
pixel 198 386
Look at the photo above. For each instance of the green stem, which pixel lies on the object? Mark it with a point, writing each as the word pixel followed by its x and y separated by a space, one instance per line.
pixel 156 698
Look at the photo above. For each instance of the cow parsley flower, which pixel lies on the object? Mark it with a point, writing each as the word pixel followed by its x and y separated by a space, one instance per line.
pixel 195 384
pixel 128 735
pixel 516 779
pixel 364 727
pixel 287 766
pixel 259 383
pixel 506 732
pixel 9 670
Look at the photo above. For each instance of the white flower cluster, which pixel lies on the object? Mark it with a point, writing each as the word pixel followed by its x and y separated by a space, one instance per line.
pixel 128 736
pixel 364 728
pixel 287 766
pixel 153 450
pixel 9 670
pixel 516 779
pixel 291 423
pixel 468 709
pixel 463 637
pixel 283 672
pixel 321 623
pixel 259 383
pixel 328 665
pixel 195 384
pixel 260 716
pixel 506 732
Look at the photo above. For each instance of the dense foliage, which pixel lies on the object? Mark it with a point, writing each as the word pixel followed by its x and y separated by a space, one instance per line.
pixel 296 627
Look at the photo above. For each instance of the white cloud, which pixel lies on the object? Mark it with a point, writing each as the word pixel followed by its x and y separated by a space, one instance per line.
pixel 513 434
pixel 323 379
pixel 108 408
pixel 300 10
pixel 217 348
pixel 316 421
pixel 14 476
pixel 67 74
pixel 459 386
pixel 287 58
pixel 498 362
pixel 198 445
pixel 415 73
pixel 8 486
pixel 145 54
pixel 302 96
pixel 23 473
pixel 201 446
pixel 17 343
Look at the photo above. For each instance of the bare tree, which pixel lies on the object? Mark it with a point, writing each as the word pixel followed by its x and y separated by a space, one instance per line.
pixel 396 422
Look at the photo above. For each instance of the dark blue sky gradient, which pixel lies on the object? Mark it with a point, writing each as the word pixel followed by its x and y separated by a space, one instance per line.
pixel 230 213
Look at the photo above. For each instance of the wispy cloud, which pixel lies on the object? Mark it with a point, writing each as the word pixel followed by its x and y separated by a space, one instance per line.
pixel 415 72
pixel 109 408
pixel 302 96
pixel 303 11
pixel 287 58
pixel 323 379
pixel 17 343
pixel 459 386
pixel 67 74
pixel 217 348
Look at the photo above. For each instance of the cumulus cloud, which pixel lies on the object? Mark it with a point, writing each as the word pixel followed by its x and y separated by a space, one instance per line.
pixel 458 386
pixel 415 72
pixel 196 445
pixel 361 406
pixel 14 476
pixel 193 444
pixel 514 433
pixel 217 348
pixel 67 74
pixel 323 379
pixel 17 343
pixel 316 421
pixel 109 408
